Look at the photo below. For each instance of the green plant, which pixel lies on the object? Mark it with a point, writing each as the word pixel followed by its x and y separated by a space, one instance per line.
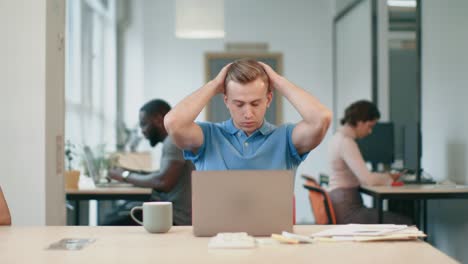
pixel 70 155
pixel 100 159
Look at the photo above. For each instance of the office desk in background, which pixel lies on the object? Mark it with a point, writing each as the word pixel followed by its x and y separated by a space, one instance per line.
pixel 105 194
pixel 134 245
pixel 417 192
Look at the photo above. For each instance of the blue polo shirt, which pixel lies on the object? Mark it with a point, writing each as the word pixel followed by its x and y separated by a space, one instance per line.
pixel 226 147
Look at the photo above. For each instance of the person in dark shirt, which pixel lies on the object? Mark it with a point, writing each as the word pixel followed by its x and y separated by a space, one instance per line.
pixel 173 181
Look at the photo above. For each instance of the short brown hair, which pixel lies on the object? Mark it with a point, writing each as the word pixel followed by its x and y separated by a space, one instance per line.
pixel 362 110
pixel 245 71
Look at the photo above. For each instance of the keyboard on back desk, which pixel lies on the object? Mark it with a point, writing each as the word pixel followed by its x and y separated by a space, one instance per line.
pixel 413 179
pixel 114 185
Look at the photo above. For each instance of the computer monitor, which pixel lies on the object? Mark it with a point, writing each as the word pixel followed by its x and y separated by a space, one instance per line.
pixel 412 148
pixel 379 146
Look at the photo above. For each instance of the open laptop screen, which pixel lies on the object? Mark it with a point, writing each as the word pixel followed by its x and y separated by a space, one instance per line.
pixel 259 202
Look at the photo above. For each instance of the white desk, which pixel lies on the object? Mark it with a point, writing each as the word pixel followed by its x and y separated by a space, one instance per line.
pixel 115 245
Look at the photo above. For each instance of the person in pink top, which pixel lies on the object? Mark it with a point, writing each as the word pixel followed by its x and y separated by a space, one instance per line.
pixel 349 170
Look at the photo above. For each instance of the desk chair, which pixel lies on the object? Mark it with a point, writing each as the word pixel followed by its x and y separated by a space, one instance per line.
pixel 5 217
pixel 323 179
pixel 320 202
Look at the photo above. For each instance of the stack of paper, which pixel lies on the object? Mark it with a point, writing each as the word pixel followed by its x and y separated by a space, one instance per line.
pixel 291 238
pixel 237 240
pixel 360 232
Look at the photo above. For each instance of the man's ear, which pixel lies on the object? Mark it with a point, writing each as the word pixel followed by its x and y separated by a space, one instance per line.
pixel 269 98
pixel 157 119
pixel 225 99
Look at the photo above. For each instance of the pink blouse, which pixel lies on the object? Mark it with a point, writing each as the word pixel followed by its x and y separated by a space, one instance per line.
pixel 348 168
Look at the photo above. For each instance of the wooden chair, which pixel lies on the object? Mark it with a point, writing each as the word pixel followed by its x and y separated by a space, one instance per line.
pixel 5 217
pixel 320 202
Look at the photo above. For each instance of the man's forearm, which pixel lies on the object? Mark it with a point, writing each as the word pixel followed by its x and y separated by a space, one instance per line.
pixel 186 111
pixel 180 121
pixel 141 180
pixel 154 180
pixel 311 110
pixel 316 118
pixel 163 180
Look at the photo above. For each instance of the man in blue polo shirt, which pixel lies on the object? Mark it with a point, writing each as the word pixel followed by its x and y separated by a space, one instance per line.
pixel 247 140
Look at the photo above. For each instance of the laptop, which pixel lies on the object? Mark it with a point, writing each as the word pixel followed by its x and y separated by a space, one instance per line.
pixel 90 165
pixel 258 202
pixel 94 172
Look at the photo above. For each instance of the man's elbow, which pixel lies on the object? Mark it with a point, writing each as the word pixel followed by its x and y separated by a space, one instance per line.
pixel 326 119
pixel 170 123
pixel 166 186
pixel 323 123
pixel 174 130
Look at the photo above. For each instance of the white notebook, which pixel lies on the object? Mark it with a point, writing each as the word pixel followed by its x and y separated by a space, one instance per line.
pixel 360 230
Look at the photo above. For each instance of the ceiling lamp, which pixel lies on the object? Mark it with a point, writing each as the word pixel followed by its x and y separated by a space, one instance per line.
pixel 200 18
pixel 402 3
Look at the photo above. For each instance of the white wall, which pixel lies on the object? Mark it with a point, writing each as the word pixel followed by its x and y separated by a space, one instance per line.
pixel 444 119
pixel 353 57
pixel 340 5
pixel 353 34
pixel 383 85
pixel 299 29
pixel 131 27
pixel 31 110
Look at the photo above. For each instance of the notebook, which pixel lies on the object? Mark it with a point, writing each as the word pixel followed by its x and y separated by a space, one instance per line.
pixel 258 202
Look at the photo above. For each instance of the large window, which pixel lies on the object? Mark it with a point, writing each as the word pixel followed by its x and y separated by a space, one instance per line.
pixel 91 73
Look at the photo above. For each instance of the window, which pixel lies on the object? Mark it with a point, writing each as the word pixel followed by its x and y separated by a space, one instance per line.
pixel 91 73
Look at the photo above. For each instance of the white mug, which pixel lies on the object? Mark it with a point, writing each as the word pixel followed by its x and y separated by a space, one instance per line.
pixel 157 216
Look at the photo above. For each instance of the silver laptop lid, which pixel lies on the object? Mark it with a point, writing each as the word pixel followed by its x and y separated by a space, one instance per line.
pixel 259 202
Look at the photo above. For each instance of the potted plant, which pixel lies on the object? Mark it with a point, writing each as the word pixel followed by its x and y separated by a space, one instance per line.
pixel 72 176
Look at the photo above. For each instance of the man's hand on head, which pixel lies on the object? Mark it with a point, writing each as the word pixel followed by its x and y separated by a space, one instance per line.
pixel 218 81
pixel 276 80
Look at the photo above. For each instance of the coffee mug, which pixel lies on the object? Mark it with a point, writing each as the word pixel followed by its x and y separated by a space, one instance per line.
pixel 157 216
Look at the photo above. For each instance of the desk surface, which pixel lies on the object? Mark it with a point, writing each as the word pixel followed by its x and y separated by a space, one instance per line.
pixel 134 245
pixel 105 194
pixel 109 190
pixel 417 189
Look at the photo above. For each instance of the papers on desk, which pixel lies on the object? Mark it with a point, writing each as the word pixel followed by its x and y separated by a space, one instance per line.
pixel 86 183
pixel 242 240
pixel 239 240
pixel 290 238
pixel 362 233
